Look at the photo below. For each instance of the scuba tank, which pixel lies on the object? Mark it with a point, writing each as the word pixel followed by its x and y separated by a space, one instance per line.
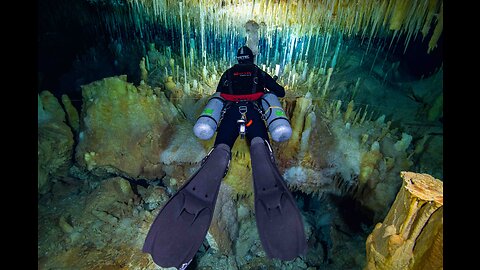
pixel 275 117
pixel 208 121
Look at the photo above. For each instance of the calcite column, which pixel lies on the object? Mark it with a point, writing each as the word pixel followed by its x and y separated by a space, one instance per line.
pixel 252 36
pixel 411 236
pixel 292 147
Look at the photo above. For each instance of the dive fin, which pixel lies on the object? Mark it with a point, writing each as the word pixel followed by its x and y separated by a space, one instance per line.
pixel 181 226
pixel 279 222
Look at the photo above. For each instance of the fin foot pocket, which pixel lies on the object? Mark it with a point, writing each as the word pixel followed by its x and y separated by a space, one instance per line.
pixel 271 201
pixel 192 206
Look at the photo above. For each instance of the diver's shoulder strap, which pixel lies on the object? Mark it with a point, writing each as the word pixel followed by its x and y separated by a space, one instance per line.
pixel 255 79
pixel 229 81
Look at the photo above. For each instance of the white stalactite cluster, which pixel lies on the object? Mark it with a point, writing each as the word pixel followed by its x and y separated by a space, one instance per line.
pixel 289 32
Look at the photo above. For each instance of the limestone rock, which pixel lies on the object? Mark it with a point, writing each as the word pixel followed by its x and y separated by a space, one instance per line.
pixel 182 155
pixel 72 114
pixel 411 236
pixel 153 196
pixel 224 228
pixel 49 104
pixel 239 176
pixel 247 244
pixel 85 257
pixel 111 201
pixel 125 128
pixel 55 142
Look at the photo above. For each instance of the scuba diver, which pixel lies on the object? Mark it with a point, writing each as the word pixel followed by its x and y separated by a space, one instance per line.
pixel 246 105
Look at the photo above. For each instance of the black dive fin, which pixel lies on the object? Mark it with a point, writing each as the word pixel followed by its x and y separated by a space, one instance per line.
pixel 181 226
pixel 279 222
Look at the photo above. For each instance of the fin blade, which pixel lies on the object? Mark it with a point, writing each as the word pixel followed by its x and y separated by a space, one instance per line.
pixel 279 222
pixel 181 226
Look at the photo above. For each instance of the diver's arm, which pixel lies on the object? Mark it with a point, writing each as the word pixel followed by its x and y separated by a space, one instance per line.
pixel 221 83
pixel 273 86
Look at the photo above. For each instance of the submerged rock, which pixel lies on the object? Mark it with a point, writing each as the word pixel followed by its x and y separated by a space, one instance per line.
pixel 55 142
pixel 125 128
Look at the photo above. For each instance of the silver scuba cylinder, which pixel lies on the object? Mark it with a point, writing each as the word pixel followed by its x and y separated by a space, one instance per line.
pixel 208 121
pixel 277 122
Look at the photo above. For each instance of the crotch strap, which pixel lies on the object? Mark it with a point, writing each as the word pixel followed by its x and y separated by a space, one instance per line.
pixel 243 120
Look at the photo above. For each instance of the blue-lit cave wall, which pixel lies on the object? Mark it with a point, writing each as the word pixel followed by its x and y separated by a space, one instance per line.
pixel 82 41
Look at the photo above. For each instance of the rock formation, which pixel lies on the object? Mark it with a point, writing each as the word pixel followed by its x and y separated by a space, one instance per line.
pixel 55 142
pixel 411 236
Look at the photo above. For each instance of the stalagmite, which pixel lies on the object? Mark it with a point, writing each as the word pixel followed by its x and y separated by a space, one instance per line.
pixel 336 111
pixel 204 73
pixel 195 85
pixel 364 115
pixel 356 116
pixel 325 89
pixel 178 73
pixel 411 236
pixel 311 79
pixel 369 163
pixel 304 73
pixel 310 121
pixel 172 65
pixel 147 63
pixel 349 111
pixel 143 70
pixel 298 120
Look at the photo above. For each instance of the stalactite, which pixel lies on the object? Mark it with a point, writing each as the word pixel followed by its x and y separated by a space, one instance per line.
pixel 437 32
pixel 296 20
pixel 325 88
pixel 286 18
pixel 183 48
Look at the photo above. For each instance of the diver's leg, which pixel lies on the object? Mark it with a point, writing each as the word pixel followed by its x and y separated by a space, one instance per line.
pixel 228 129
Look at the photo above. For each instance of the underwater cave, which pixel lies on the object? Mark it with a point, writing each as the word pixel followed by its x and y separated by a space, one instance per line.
pixel 121 84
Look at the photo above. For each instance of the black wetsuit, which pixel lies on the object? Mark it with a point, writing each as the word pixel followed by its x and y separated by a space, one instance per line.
pixel 239 80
